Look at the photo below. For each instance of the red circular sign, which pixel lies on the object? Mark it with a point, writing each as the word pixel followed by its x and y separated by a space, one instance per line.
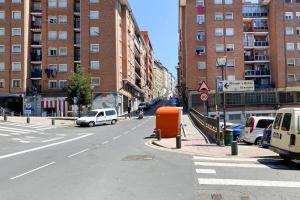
pixel 204 97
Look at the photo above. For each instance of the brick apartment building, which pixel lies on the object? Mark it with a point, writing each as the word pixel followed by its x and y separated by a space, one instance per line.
pixel 43 41
pixel 261 40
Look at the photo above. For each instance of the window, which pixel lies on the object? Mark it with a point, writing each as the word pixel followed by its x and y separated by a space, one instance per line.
pixel 288 15
pixel 16 14
pixel 219 47
pixel 2 66
pixel 228 1
pixel 200 50
pixel 286 122
pixel 219 32
pixel 94 14
pixel 110 112
pixel 290 46
pixel 52 67
pixel 2 31
pixel 231 77
pixel 52 51
pixel 95 81
pixel 2 83
pixel 218 1
pixel 200 19
pixel 228 16
pixel 94 1
pixel 229 31
pixel 94 31
pixel 201 65
pixel 229 47
pixel 298 15
pixel 291 62
pixel 62 3
pixel 52 84
pixel 52 3
pixel 218 16
pixel 62 35
pixel 16 83
pixel 2 14
pixel 94 48
pixel 199 3
pixel 63 68
pixel 62 19
pixel 277 121
pixel 288 1
pixel 298 30
pixel 16 31
pixel 16 1
pixel 2 48
pixel 16 66
pixel 264 123
pixel 95 65
pixel 63 51
pixel 52 20
pixel 16 48
pixel 52 35
pixel 2 1
pixel 297 62
pixel 291 78
pixel 62 84
pixel 289 30
pixel 298 46
pixel 201 36
pixel 230 63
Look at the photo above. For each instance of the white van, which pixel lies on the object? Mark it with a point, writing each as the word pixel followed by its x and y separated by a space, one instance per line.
pixel 97 117
pixel 254 129
pixel 285 138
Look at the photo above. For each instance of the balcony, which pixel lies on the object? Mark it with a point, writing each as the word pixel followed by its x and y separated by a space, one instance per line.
pixel 77 42
pixel 36 25
pixel 36 74
pixel 77 7
pixel 35 89
pixel 255 11
pixel 36 7
pixel 137 63
pixel 137 76
pixel 257 44
pixel 257 58
pixel 36 58
pixel 257 73
pixel 36 43
pixel 77 58
pixel 76 25
pixel 136 51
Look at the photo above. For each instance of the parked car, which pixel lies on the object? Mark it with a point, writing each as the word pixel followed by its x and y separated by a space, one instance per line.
pixel 265 143
pixel 228 124
pixel 285 137
pixel 254 129
pixel 236 131
pixel 97 117
pixel 144 105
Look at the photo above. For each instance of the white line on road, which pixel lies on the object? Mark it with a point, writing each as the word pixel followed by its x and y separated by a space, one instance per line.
pixel 5 135
pixel 12 131
pixel 256 183
pixel 24 125
pixel 53 139
pixel 18 129
pixel 225 159
pixel 105 142
pixel 133 128
pixel 43 166
pixel 117 137
pixel 125 133
pixel 75 154
pixel 214 164
pixel 44 147
pixel 206 171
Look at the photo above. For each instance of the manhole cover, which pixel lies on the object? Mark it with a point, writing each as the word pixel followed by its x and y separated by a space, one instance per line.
pixel 138 157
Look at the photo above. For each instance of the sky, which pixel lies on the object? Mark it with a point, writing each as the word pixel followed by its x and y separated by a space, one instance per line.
pixel 160 19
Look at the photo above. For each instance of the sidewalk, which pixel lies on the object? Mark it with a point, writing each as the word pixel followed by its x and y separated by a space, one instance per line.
pixel 196 144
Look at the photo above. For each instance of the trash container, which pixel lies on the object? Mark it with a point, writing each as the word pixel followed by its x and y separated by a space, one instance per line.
pixel 168 120
pixel 228 137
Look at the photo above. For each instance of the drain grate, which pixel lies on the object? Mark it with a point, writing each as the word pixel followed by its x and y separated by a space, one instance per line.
pixel 138 158
pixel 216 197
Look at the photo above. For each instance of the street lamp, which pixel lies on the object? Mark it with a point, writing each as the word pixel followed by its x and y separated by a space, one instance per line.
pixel 221 62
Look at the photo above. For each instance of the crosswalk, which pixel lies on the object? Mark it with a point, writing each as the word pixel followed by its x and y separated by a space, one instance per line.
pixel 243 172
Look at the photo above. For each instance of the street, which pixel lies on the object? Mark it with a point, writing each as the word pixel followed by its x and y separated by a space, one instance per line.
pixel 113 162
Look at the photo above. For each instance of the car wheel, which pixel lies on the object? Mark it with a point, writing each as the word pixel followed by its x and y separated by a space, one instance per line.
pixel 258 141
pixel 113 121
pixel 91 124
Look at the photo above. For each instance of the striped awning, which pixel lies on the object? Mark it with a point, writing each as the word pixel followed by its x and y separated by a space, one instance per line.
pixel 60 104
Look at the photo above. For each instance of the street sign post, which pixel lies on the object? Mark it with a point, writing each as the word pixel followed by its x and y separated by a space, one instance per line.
pixel 237 86
pixel 204 97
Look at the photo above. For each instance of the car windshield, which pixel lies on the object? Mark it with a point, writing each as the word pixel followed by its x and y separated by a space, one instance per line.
pixel 91 114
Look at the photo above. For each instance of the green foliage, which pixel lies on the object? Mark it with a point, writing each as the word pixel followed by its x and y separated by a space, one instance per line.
pixel 79 89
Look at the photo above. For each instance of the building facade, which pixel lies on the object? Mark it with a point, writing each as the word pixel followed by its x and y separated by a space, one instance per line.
pixel 260 40
pixel 42 42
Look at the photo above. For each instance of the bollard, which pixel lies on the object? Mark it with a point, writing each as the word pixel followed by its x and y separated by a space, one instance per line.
pixel 234 148
pixel 158 134
pixel 28 120
pixel 5 117
pixel 53 122
pixel 178 141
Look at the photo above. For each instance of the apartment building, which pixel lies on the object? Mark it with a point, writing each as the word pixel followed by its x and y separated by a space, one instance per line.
pixel 259 39
pixel 43 41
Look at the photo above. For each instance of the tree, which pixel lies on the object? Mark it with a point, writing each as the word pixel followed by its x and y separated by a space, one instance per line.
pixel 79 90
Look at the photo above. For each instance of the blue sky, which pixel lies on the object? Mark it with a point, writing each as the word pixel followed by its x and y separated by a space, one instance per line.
pixel 160 18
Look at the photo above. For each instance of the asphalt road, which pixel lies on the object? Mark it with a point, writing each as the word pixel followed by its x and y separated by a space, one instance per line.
pixel 112 162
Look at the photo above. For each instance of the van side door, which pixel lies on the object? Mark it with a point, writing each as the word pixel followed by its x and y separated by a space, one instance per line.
pixel 285 131
pixel 100 118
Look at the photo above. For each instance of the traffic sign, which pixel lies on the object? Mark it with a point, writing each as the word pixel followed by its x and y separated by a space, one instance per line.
pixel 203 87
pixel 204 96
pixel 237 86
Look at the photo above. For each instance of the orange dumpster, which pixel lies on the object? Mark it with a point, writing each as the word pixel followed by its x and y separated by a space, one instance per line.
pixel 168 120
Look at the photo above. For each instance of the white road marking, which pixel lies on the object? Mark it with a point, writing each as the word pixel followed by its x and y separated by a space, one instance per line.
pixel 225 159
pixel 18 129
pixel 75 154
pixel 53 139
pixel 133 128
pixel 117 137
pixel 44 147
pixel 5 135
pixel 11 131
pixel 16 139
pixel 126 132
pixel 215 164
pixel 105 142
pixel 206 171
pixel 24 125
pixel 255 183
pixel 24 141
pixel 43 129
pixel 14 133
pixel 28 172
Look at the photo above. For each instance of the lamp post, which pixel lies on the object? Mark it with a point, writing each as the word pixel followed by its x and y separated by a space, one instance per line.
pixel 221 62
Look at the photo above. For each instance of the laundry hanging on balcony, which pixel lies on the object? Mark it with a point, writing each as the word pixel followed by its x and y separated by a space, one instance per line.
pixel 200 9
